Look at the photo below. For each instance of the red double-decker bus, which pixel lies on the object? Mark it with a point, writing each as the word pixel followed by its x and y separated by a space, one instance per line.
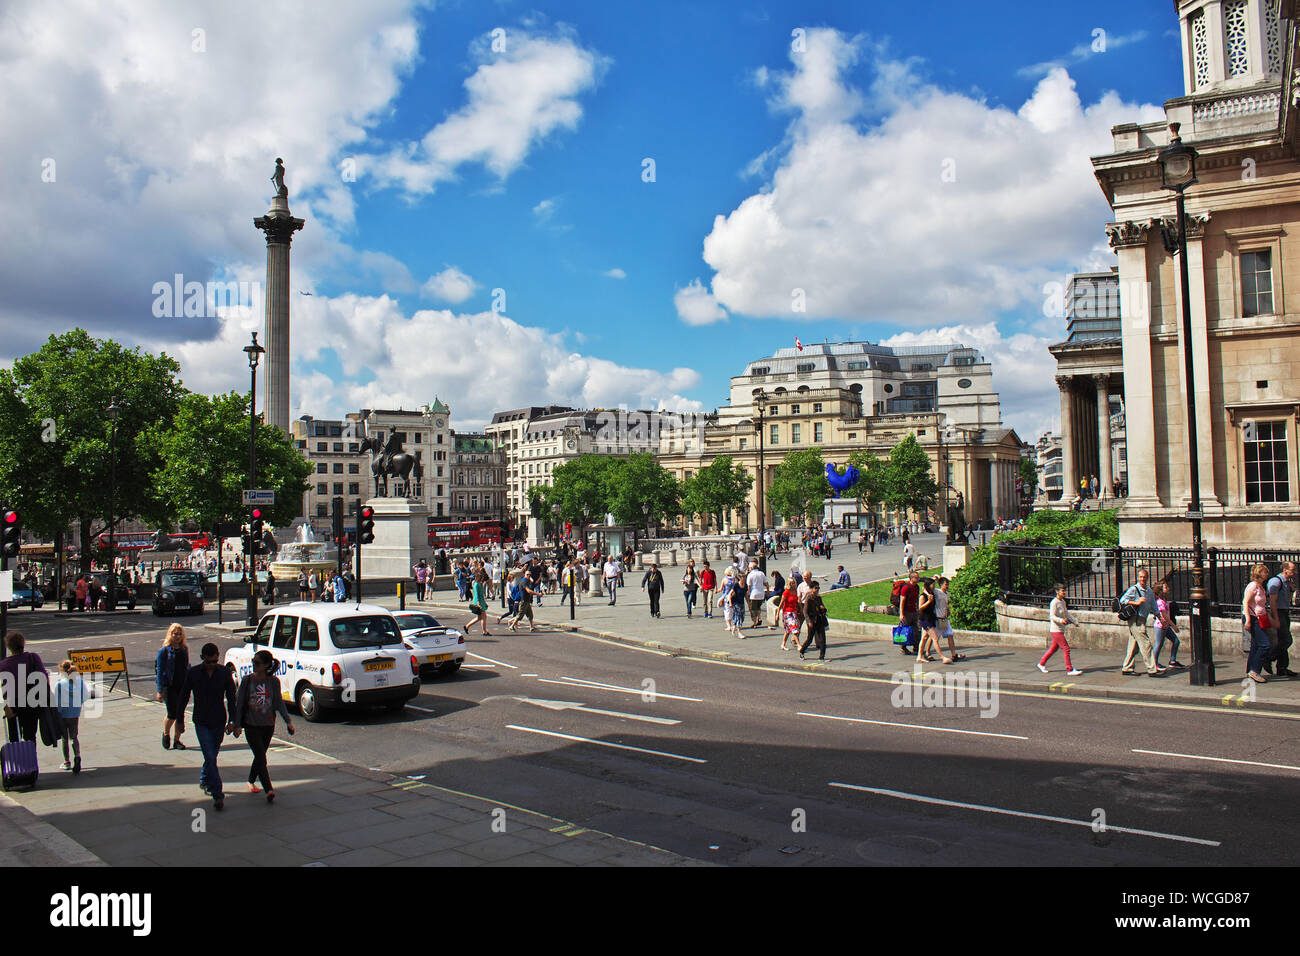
pixel 143 540
pixel 464 534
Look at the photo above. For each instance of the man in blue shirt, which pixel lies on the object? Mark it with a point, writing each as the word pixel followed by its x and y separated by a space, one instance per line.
pixel 842 581
pixel 1281 590
pixel 1143 599
pixel 213 687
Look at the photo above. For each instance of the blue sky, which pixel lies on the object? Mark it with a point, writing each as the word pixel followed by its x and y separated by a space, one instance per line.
pixel 913 172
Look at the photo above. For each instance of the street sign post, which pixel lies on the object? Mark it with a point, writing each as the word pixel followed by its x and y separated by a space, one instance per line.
pixel 102 660
pixel 259 496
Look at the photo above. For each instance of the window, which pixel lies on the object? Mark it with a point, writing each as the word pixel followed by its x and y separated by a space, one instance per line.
pixel 338 446
pixel 776 435
pixel 354 448
pixel 858 366
pixel 817 408
pixel 794 409
pixel 338 467
pixel 354 469
pixel 794 434
pixel 338 487
pixel 964 360
pixel 805 367
pixel 818 433
pixel 742 444
pixel 417 437
pixel 321 512
pixel 322 489
pixel 308 636
pixel 285 629
pixel 774 410
pixel 888 389
pixel 354 488
pixel 1234 35
pixel 322 468
pixel 1257 283
pixel 963 383
pixel 761 370
pixel 322 446
pixel 1267 468
pixel 853 436
pixel 439 438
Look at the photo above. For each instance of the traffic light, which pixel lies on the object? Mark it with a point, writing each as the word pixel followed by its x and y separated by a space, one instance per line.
pixel 11 532
pixel 255 531
pixel 366 525
pixel 339 530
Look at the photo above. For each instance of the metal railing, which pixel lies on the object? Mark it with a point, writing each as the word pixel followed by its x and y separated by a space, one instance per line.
pixel 1095 577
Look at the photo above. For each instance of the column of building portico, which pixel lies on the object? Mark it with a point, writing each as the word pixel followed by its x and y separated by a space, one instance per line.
pixel 995 489
pixel 1129 240
pixel 1200 367
pixel 1104 474
pixel 1069 474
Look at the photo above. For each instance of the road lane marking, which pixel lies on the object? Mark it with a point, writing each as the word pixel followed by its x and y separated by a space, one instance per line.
pixel 919 798
pixel 1248 763
pixel 423 710
pixel 578 705
pixel 604 743
pixel 620 690
pixel 491 661
pixel 890 723
pixel 630 690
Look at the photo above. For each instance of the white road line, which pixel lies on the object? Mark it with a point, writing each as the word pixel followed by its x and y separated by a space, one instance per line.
pixel 1248 763
pixel 890 723
pixel 619 690
pixel 491 661
pixel 478 667
pixel 604 743
pixel 527 675
pixel 918 798
pixel 576 705
pixel 630 690
pixel 423 710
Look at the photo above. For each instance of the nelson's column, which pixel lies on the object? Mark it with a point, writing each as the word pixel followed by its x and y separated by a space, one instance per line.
pixel 279 227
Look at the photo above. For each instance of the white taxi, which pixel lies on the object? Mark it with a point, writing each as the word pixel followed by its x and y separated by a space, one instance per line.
pixel 334 655
pixel 437 646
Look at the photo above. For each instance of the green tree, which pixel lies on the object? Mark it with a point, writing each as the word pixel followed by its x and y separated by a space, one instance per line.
pixel 870 487
pixel 799 485
pixel 55 434
pixel 719 487
pixel 906 482
pixel 583 482
pixel 640 480
pixel 204 462
pixel 1029 475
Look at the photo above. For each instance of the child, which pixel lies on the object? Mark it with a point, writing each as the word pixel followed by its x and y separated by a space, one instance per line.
pixel 70 693
pixel 1060 616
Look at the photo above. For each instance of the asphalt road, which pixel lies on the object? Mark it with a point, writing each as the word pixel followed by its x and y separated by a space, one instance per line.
pixel 745 765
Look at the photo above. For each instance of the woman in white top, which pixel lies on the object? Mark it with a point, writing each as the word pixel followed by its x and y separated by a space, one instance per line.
pixel 1060 615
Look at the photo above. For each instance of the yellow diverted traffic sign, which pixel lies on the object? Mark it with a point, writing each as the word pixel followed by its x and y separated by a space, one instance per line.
pixel 102 660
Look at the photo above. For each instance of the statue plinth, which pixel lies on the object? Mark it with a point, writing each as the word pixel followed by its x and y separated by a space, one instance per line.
pixel 401 538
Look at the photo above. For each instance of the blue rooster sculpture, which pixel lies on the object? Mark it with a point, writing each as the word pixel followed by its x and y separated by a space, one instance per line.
pixel 841 482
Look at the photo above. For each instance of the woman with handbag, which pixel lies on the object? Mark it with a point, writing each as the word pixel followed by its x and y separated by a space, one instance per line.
pixel 690 586
pixel 170 667
pixel 21 664
pixel 815 610
pixel 478 605
pixel 790 616
pixel 257 702
pixel 1254 605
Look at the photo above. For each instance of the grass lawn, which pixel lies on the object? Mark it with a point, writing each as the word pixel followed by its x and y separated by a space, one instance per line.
pixel 843 605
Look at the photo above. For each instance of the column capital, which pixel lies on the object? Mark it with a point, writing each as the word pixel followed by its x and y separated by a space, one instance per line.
pixel 1102 380
pixel 1196 222
pixel 1128 234
pixel 1065 382
pixel 279 229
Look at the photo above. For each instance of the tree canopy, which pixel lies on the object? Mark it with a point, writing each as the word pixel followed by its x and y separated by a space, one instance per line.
pixel 799 485
pixel 719 487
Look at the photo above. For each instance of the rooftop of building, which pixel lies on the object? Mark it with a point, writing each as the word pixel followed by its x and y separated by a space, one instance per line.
pixel 528 413
pixel 834 356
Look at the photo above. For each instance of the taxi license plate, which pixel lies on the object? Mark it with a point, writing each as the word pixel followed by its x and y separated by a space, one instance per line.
pixel 439 658
pixel 385 665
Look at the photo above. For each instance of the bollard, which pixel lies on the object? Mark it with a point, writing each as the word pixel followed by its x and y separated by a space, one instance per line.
pixel 401 595
pixel 595 590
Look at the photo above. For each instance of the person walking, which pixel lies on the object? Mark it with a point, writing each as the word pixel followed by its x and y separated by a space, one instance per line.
pixel 871 540
pixel 733 596
pixel 340 589
pixel 610 574
pixel 170 666
pixel 909 599
pixel 790 616
pixel 513 593
pixel 690 586
pixel 1166 629
pixel 1281 595
pixel 213 687
pixel 708 583
pixel 70 693
pixel 1143 599
pixel 257 702
pixel 1254 606
pixel 21 705
pixel 653 584
pixel 478 604
pixel 1059 616
pixel 815 611
pixel 756 587
pixel 421 572
pixel 909 553
pixel 942 625
pixel 527 592
pixel 925 619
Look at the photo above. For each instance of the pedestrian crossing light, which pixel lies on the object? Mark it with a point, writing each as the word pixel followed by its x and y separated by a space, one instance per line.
pixel 255 531
pixel 11 531
pixel 366 526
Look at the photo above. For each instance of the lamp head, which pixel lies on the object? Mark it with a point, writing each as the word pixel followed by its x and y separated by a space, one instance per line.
pixel 1177 162
pixel 254 352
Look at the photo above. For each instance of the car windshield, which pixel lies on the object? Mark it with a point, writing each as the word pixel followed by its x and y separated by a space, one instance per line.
pixel 409 622
pixel 367 631
pixel 174 579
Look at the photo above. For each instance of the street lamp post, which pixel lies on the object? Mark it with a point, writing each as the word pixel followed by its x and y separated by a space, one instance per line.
pixel 645 514
pixel 114 411
pixel 254 353
pixel 761 400
pixel 1178 171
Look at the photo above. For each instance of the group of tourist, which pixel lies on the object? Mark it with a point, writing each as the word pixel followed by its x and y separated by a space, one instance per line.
pixel 318 585
pixel 923 611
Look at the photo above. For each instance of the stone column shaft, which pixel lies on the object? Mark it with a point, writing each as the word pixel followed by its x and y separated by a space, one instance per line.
pixel 1105 475
pixel 1069 476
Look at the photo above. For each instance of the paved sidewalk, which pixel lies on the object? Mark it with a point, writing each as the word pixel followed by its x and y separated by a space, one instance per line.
pixel 874 655
pixel 135 804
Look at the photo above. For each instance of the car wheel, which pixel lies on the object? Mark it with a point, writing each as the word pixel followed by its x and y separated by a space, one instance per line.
pixel 156 612
pixel 451 668
pixel 308 705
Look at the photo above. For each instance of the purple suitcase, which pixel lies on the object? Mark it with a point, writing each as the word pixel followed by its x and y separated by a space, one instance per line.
pixel 18 766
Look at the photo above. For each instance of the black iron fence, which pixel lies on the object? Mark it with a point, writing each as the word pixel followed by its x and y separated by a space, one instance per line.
pixel 1095 577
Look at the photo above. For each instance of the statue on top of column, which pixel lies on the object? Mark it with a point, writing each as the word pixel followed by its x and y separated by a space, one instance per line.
pixel 281 190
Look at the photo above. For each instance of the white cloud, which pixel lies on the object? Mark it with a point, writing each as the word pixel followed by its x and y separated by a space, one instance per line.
pixel 1099 44
pixel 615 273
pixel 449 285
pixel 697 306
pixel 544 210
pixel 863 219
pixel 1021 371
pixel 516 98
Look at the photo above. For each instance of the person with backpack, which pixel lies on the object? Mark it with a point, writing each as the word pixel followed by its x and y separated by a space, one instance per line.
pixel 257 702
pixel 653 584
pixel 513 593
pixel 1143 600
pixel 527 591
pixel 1059 616
pixel 170 666
pixel 421 573
pixel 1166 630
pixel 1281 595
pixel 478 606
pixel 909 598
pixel 22 665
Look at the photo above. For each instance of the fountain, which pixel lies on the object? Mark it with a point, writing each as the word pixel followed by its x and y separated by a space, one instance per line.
pixel 303 554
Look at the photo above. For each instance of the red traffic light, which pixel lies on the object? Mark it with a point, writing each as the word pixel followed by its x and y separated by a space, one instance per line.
pixel 257 512
pixel 367 512
pixel 11 517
